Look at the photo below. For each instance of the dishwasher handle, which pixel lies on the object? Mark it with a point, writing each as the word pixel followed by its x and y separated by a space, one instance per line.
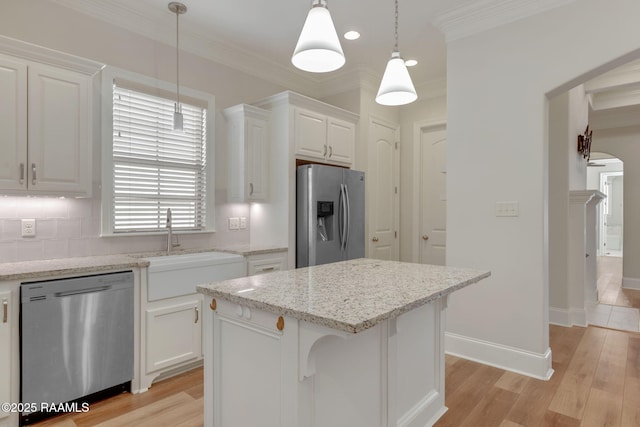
pixel 82 291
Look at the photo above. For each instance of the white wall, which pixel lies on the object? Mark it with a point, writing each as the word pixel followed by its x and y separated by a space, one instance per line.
pixel 70 227
pixel 624 143
pixel 497 125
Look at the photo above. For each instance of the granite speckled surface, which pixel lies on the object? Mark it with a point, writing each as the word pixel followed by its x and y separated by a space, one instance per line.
pixel 27 270
pixel 350 296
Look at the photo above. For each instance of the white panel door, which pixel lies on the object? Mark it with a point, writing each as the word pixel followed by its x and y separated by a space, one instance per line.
pixel 59 130
pixel 257 158
pixel 383 176
pixel 433 203
pixel 13 124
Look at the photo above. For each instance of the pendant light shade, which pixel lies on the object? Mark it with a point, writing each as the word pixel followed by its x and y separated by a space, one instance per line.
pixel 178 9
pixel 396 87
pixel 318 49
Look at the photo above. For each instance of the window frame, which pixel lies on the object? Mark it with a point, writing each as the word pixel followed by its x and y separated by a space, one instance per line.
pixel 109 74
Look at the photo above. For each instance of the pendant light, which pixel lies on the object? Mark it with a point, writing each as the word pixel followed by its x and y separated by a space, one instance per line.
pixel 178 9
pixel 318 49
pixel 396 87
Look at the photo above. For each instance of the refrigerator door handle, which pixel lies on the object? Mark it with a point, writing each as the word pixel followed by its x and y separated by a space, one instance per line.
pixel 348 219
pixel 343 217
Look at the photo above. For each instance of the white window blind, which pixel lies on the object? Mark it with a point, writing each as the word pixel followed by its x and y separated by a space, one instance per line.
pixel 155 168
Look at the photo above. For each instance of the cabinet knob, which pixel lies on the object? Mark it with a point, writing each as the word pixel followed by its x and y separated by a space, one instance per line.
pixel 280 323
pixel 213 304
pixel 425 237
pixel 375 239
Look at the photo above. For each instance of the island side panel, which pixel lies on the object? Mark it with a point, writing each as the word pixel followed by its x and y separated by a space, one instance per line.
pixel 253 368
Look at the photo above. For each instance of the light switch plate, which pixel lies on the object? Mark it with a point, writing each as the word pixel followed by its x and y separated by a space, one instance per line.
pixel 234 223
pixel 28 228
pixel 243 223
pixel 507 209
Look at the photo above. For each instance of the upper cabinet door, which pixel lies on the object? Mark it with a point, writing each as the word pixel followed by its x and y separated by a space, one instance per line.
pixel 341 137
pixel 13 124
pixel 59 153
pixel 310 134
pixel 257 158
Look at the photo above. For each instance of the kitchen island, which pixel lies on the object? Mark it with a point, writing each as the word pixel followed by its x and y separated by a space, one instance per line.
pixel 357 343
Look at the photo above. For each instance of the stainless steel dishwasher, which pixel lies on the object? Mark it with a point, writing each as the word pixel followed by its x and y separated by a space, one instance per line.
pixel 76 339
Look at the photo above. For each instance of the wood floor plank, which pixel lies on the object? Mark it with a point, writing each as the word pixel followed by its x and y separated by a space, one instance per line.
pixel 633 357
pixel 469 394
pixel 532 404
pixel 507 423
pixel 512 382
pixel 554 419
pixel 156 413
pixel 603 409
pixel 492 408
pixel 571 397
pixel 565 342
pixel 610 371
pixel 631 402
pixel 458 375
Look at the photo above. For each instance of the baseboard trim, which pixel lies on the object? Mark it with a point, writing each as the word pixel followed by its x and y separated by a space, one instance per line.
pixel 500 356
pixel 631 283
pixel 564 317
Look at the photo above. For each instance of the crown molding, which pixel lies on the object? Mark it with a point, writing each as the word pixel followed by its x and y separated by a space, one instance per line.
pixel 483 15
pixel 150 24
pixel 48 56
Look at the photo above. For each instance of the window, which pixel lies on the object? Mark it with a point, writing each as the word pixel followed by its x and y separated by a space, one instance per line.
pixel 154 168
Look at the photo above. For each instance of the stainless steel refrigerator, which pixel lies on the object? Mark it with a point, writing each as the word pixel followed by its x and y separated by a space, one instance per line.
pixel 329 214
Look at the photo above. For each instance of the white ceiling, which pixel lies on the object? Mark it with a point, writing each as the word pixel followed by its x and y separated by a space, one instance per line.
pixel 258 36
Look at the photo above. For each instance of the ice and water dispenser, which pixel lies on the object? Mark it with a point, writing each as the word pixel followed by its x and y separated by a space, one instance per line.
pixel 325 221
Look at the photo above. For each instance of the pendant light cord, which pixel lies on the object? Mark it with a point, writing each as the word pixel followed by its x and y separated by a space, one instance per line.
pixel 178 57
pixel 396 33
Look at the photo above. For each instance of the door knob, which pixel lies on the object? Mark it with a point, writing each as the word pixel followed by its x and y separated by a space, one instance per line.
pixel 375 239
pixel 425 237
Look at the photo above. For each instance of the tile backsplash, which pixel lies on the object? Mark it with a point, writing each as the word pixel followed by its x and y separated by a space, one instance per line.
pixel 71 227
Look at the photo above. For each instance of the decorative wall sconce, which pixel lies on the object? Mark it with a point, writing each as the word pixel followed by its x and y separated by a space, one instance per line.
pixel 584 143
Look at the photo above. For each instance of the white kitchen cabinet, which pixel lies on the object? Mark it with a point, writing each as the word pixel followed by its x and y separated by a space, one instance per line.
pixel 46 125
pixel 174 332
pixel 266 263
pixel 5 349
pixel 248 149
pixel 323 138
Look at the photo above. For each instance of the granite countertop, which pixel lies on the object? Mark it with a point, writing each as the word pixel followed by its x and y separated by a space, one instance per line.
pixel 27 270
pixel 350 296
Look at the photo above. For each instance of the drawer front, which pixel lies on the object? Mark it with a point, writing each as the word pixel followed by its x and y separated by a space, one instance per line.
pixel 261 266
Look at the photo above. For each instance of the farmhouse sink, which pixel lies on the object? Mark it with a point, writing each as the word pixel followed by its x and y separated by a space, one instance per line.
pixel 175 275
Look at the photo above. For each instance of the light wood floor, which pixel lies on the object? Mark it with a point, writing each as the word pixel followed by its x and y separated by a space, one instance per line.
pixel 610 289
pixel 596 383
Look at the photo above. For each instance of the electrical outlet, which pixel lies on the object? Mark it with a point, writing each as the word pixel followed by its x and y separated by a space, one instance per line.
pixel 234 223
pixel 28 228
pixel 243 223
pixel 507 209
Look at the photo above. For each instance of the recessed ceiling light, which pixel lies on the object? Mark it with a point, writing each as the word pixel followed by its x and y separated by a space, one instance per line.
pixel 352 35
pixel 410 62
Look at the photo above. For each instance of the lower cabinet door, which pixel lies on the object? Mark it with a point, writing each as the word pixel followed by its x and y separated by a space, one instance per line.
pixel 174 334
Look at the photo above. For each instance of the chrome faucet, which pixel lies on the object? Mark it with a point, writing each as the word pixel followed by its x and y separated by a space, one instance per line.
pixel 169 232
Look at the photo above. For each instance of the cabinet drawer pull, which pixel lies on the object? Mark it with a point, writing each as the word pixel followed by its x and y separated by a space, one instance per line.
pixel 251 188
pixel 5 310
pixel 330 151
pixel 268 268
pixel 325 151
pixel 197 314
pixel 21 173
pixel 33 173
